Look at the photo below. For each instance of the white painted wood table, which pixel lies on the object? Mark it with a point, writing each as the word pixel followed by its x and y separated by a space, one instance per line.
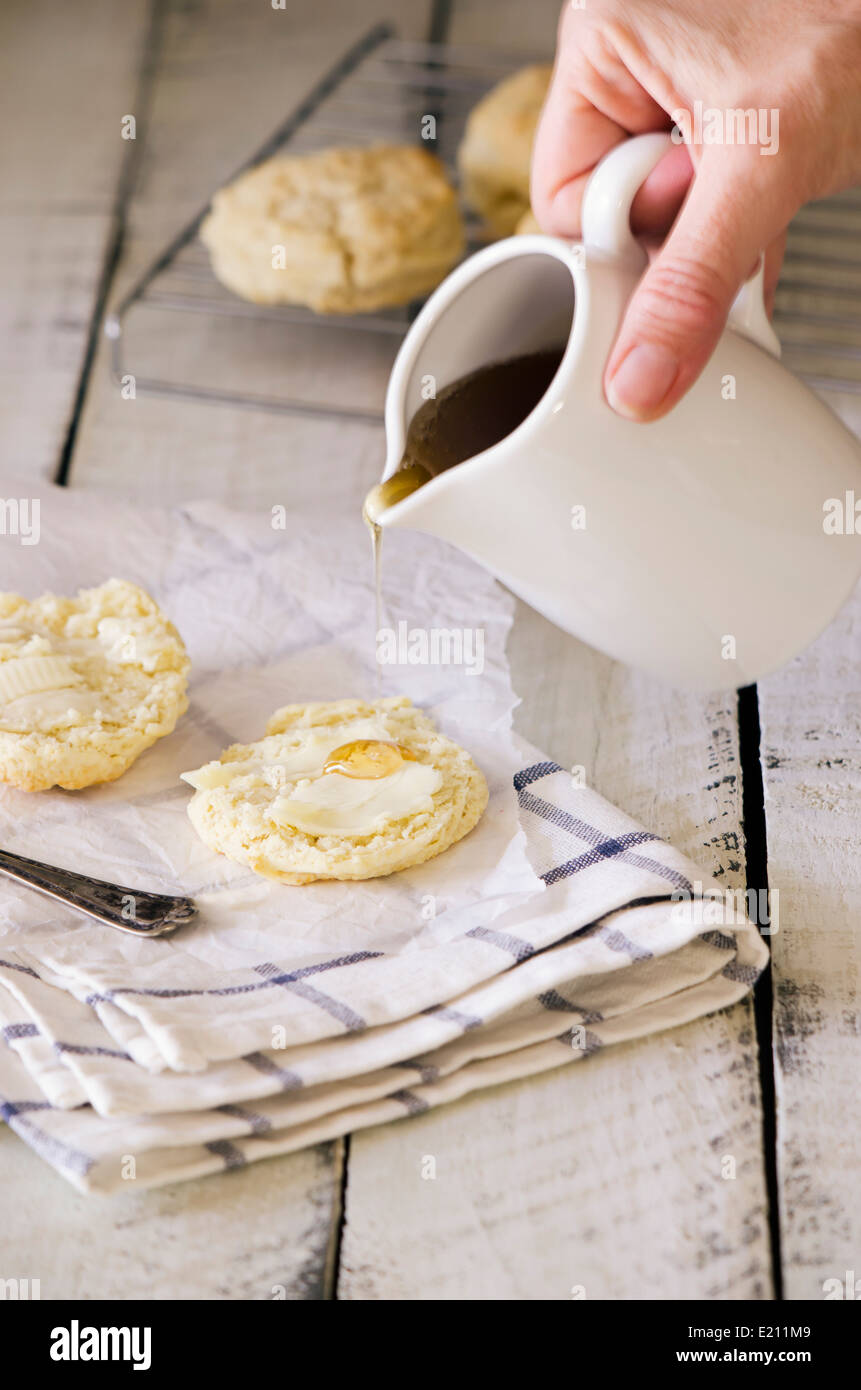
pixel 607 1175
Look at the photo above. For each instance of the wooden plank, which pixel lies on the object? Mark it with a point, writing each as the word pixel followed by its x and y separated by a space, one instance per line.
pixel 599 1181
pixel 262 1233
pixel 68 75
pixel 811 734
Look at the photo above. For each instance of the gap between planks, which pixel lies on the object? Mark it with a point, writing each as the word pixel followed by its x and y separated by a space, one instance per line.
pixel 756 871
pixel 125 189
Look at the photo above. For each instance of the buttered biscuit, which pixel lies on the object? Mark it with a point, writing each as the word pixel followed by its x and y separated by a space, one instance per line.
pixel 86 684
pixel 344 790
pixel 496 150
pixel 341 230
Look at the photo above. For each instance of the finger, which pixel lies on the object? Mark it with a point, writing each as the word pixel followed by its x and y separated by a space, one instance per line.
pixel 594 103
pixel 679 309
pixel 572 138
pixel 659 199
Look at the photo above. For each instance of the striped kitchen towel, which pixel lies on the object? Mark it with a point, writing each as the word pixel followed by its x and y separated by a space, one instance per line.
pixel 627 938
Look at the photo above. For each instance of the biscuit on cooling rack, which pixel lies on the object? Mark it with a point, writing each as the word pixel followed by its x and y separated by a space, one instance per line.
pixel 341 230
pixel 495 152
pixel 527 225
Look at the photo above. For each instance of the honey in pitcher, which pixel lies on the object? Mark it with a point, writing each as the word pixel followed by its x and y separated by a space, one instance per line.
pixel 468 416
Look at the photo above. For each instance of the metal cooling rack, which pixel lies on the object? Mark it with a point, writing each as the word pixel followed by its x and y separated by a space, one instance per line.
pixel 818 308
pixel 180 333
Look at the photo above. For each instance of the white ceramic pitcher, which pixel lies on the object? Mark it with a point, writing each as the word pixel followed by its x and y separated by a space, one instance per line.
pixel 693 547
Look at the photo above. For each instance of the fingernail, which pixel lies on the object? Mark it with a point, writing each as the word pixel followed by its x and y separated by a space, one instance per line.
pixel 642 380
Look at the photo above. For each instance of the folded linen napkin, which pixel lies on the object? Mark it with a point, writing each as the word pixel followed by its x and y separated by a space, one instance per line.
pixel 286 1016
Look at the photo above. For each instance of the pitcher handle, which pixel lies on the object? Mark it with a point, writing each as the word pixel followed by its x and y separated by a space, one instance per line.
pixel 607 228
pixel 610 193
pixel 748 315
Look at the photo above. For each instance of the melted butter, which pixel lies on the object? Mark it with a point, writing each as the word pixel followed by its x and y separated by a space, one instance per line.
pixel 350 779
pixel 308 758
pixel 115 642
pixel 49 709
pixel 41 687
pixel 13 632
pixel 338 805
pixel 367 758
pixel 218 774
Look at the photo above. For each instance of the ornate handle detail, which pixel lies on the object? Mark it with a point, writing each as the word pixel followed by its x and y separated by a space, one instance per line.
pixel 127 909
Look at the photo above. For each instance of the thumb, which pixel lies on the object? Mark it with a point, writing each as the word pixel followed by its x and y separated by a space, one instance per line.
pixel 679 309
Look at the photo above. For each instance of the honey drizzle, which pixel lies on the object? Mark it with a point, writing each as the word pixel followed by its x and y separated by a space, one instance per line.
pixel 377 543
pixel 406 480
pixel 377 548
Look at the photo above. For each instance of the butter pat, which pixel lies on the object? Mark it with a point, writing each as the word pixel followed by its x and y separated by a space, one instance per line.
pixel 216 774
pixel 307 759
pixel 338 805
pixel 29 674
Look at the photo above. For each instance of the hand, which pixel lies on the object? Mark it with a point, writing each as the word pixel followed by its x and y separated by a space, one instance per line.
pixel 625 66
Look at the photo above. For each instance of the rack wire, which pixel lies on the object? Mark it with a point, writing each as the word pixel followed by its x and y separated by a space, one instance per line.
pixel 179 332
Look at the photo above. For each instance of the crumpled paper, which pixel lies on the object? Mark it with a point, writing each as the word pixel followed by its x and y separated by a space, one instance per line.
pixel 271 614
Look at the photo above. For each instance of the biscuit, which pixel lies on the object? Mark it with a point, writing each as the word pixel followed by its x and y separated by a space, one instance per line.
pixel 86 684
pixel 527 225
pixel 496 150
pixel 340 230
pixel 269 804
